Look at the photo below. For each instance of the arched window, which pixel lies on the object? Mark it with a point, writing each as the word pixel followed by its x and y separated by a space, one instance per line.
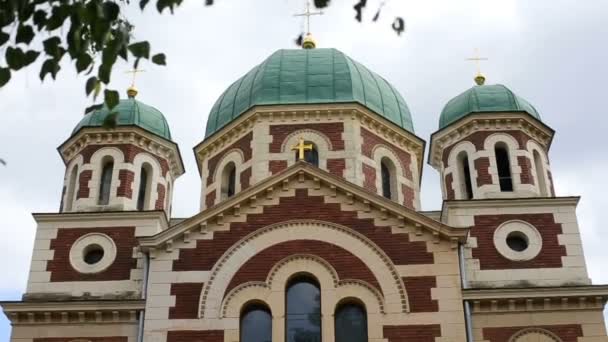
pixel 540 174
pixel 145 184
pixel 256 324
pixel 388 178
pixel 504 167
pixel 311 156
pixel 466 184
pixel 303 310
pixel 351 323
pixel 70 195
pixel 229 180
pixel 105 182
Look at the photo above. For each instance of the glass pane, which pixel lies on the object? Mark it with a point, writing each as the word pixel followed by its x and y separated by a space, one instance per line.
pixel 106 182
pixel 256 325
pixel 231 182
pixel 143 182
pixel 351 324
pixel 386 181
pixel 303 319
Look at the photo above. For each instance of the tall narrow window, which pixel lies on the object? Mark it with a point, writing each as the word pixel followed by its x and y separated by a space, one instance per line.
pixel 256 324
pixel 540 174
pixel 504 167
pixel 229 180
pixel 387 173
pixel 143 189
pixel 69 198
pixel 465 176
pixel 351 323
pixel 105 184
pixel 311 155
pixel 303 311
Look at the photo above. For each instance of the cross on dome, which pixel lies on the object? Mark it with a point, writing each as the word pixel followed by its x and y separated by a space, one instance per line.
pixel 308 42
pixel 132 91
pixel 479 78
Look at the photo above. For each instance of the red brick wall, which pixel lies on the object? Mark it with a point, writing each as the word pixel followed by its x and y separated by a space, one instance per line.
pixel 333 131
pixel 91 339
pixel 210 199
pixel 417 333
pixel 129 151
pixel 398 247
pixel 243 144
pixel 419 293
pixel 61 269
pixel 449 186
pixel 346 264
pixel 187 297
pixel 566 332
pixel 482 166
pixel 490 259
pixel 245 178
pixel 83 183
pixel 526 170
pixel 125 188
pixel 160 201
pixel 371 140
pixel 195 336
pixel 276 166
pixel 336 166
pixel 408 196
pixel 369 178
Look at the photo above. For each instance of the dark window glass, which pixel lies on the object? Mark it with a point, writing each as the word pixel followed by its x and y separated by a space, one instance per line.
pixel 256 325
pixel 231 182
pixel 517 242
pixel 386 180
pixel 143 184
pixel 106 182
pixel 93 254
pixel 310 156
pixel 504 169
pixel 351 323
pixel 467 178
pixel 303 316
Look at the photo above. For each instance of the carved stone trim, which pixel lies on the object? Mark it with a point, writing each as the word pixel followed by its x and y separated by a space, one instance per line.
pixel 540 331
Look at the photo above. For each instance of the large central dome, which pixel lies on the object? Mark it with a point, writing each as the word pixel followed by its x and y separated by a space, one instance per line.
pixel 313 76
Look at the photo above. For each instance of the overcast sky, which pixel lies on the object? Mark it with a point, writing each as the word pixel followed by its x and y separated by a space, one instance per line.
pixel 550 52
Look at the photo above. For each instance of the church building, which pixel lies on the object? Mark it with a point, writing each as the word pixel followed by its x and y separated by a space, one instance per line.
pixel 310 227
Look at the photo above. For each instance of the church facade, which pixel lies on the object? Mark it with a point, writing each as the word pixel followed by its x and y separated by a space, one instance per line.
pixel 310 227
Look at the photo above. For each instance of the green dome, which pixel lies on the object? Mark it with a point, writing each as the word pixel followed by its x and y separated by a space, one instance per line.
pixel 309 76
pixel 130 113
pixel 484 98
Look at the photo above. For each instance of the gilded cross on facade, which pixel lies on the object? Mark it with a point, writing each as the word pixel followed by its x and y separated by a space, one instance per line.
pixel 132 91
pixel 479 78
pixel 308 14
pixel 301 147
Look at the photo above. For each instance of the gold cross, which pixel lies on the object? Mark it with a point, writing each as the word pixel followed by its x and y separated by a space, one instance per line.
pixel 477 59
pixel 301 147
pixel 308 14
pixel 135 71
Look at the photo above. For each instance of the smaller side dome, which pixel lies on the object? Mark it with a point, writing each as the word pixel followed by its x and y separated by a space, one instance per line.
pixel 130 113
pixel 484 99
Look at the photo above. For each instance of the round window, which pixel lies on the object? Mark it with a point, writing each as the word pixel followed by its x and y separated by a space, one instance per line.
pixel 517 241
pixel 92 254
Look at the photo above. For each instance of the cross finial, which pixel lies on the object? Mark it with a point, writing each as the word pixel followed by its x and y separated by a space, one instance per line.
pixel 308 14
pixel 301 146
pixel 132 91
pixel 479 78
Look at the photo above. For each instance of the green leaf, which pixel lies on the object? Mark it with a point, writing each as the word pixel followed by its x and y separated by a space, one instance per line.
pixel 58 16
pixel 50 66
pixel 111 98
pixel 26 12
pixel 53 48
pixel 5 76
pixel 140 49
pixel 25 34
pixel 143 3
pixel 159 59
pixel 104 73
pixel 110 10
pixel 83 62
pixel 110 120
pixel 14 58
pixel 30 57
pixel 90 86
pixel 4 37
pixel 39 19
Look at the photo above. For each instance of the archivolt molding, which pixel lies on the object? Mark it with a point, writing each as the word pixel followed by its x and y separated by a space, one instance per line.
pixel 380 151
pixel 309 134
pixel 529 331
pixel 233 155
pixel 240 246
pixel 296 264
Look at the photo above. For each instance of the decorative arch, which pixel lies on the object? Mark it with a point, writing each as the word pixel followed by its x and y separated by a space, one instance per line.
pixel 319 140
pixel 454 168
pixel 536 150
pixel 344 237
pixel 96 163
pixel 71 183
pixel 140 161
pixel 534 335
pixel 234 156
pixel 382 151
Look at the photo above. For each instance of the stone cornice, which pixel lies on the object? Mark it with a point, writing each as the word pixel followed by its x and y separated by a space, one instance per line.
pixel 476 122
pixel 302 171
pixel 316 113
pixel 158 215
pixel 123 135
pixel 73 312
pixel 570 201
pixel 591 297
